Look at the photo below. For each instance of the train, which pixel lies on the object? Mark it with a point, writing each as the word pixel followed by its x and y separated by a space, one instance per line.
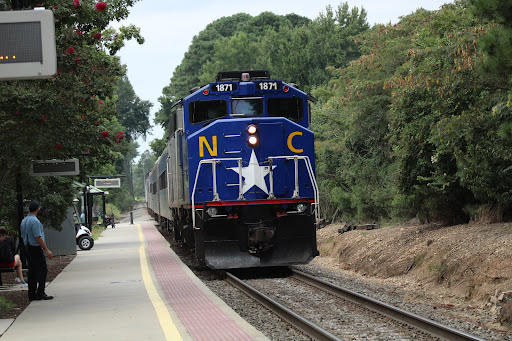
pixel 236 180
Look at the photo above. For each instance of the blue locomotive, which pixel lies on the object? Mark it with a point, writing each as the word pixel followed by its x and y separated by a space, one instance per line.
pixel 236 180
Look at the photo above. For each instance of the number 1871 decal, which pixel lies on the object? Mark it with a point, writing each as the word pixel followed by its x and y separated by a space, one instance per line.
pixel 269 85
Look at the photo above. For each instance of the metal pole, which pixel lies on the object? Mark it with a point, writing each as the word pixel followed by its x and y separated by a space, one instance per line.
pixel 131 217
pixel 19 198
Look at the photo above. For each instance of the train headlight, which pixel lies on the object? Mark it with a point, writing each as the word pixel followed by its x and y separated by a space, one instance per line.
pixel 252 129
pixel 252 140
pixel 301 208
pixel 212 211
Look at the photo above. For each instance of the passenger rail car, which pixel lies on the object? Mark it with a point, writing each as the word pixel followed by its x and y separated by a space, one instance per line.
pixel 237 178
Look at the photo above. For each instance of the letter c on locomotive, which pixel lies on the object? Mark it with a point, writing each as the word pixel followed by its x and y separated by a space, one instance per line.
pixel 290 143
pixel 204 142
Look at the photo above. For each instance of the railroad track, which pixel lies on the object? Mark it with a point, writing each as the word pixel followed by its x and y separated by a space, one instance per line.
pixel 316 332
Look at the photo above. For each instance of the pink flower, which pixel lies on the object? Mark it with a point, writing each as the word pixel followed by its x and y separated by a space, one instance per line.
pixel 96 122
pixel 59 146
pixel 77 59
pixel 41 119
pixel 17 112
pixel 76 3
pixel 70 50
pixel 56 7
pixel 100 102
pixel 104 134
pixel 79 32
pixel 100 6
pixel 97 36
pixel 83 117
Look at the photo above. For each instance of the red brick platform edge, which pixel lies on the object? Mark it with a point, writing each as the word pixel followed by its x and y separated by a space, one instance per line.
pixel 203 319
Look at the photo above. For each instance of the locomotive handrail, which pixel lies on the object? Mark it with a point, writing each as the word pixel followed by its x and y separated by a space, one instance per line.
pixel 311 174
pixel 296 159
pixel 214 162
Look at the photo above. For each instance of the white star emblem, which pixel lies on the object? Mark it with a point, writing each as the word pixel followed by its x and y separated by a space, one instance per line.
pixel 254 174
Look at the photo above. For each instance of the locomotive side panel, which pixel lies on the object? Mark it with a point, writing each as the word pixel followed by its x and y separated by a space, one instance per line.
pixel 163 187
pixel 152 198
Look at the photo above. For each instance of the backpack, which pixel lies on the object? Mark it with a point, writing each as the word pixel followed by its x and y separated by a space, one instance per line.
pixel 6 255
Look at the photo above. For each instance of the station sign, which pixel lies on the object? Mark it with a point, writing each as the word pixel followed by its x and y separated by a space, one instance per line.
pixel 107 183
pixel 27 45
pixel 55 167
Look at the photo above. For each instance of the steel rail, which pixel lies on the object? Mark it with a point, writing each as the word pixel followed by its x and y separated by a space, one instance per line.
pixel 299 322
pixel 416 321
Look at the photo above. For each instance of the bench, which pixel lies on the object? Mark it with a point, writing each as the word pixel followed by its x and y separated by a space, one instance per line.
pixel 2 270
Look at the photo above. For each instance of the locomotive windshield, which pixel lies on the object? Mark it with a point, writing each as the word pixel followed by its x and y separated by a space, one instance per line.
pixel 247 107
pixel 291 108
pixel 201 111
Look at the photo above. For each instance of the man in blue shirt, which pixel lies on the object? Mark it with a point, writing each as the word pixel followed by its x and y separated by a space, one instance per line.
pixel 33 237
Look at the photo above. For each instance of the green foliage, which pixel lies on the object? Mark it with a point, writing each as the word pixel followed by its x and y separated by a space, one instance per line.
pixel 133 113
pixel 140 171
pixel 5 304
pixel 437 267
pixel 111 208
pixel 291 47
pixel 54 194
pixel 421 127
pixel 71 115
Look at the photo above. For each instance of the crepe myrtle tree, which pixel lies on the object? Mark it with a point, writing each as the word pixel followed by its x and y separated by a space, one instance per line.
pixel 73 113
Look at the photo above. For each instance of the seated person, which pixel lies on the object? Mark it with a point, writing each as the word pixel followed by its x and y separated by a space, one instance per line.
pixel 8 259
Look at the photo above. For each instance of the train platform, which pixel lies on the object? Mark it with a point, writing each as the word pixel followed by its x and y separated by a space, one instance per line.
pixel 129 286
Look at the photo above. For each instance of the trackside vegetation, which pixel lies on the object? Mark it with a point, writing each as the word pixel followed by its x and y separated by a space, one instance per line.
pixel 413 118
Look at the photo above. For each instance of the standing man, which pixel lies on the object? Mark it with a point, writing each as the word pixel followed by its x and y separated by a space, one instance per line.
pixel 95 213
pixel 33 237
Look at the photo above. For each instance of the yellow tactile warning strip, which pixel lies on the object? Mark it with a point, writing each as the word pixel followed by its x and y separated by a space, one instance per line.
pixel 168 326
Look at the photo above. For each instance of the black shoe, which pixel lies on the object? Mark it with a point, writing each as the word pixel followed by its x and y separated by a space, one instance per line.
pixel 34 298
pixel 44 297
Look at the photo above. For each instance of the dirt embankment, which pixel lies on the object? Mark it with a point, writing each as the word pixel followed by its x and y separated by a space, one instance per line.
pixel 468 266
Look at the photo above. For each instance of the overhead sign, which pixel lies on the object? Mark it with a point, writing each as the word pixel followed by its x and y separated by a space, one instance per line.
pixel 55 167
pixel 107 183
pixel 27 45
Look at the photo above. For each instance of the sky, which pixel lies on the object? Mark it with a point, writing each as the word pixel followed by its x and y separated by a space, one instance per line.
pixel 168 27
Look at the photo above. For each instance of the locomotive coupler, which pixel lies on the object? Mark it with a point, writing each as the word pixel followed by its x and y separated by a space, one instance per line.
pixel 260 239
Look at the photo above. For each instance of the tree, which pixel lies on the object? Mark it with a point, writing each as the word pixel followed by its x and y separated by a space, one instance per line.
pixel 417 122
pixel 72 114
pixel 133 113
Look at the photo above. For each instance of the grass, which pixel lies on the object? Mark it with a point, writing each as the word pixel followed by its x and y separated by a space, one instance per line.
pixel 437 267
pixel 5 304
pixel 96 232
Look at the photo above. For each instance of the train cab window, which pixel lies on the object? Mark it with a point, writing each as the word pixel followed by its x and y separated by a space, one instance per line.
pixel 246 107
pixel 201 111
pixel 291 108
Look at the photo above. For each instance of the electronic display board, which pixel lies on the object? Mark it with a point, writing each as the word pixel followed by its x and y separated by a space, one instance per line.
pixel 27 45
pixel 55 167
pixel 107 183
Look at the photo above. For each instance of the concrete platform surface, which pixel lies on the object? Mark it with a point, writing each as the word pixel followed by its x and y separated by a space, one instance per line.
pixel 113 292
